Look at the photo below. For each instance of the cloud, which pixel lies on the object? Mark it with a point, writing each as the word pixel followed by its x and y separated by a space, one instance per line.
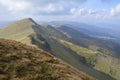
pixel 50 8
pixel 24 8
pixel 15 5
pixel 116 10
pixel 57 9
pixel 39 6
pixel 78 12
pixel 82 12
pixel 56 1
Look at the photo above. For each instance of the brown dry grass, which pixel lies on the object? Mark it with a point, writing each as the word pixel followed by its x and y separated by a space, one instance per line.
pixel 21 62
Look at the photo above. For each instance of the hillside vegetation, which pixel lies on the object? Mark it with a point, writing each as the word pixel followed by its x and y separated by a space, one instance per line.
pixel 21 62
pixel 79 50
pixel 70 50
pixel 20 33
pixel 100 61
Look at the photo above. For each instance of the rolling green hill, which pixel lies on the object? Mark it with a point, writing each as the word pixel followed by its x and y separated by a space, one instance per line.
pixel 47 38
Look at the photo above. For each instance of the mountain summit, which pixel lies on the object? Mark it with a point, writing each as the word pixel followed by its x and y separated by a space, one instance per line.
pixel 28 20
pixel 19 30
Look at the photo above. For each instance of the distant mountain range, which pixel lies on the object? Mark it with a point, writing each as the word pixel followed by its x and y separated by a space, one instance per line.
pixel 90 50
pixel 101 30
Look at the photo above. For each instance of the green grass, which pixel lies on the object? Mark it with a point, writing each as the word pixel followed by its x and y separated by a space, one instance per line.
pixel 79 50
pixel 18 31
pixel 101 61
pixel 109 65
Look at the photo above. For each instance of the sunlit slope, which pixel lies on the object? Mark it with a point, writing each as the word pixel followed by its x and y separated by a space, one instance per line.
pixel 20 30
pixel 104 46
pixel 49 35
pixel 79 50
pixel 98 60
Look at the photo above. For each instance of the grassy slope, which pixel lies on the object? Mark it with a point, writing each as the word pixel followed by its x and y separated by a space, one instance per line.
pixel 109 65
pixel 21 62
pixel 101 62
pixel 64 53
pixel 81 39
pixel 47 41
pixel 80 50
pixel 19 31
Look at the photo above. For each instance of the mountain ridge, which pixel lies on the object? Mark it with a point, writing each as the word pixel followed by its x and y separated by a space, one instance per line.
pixel 43 36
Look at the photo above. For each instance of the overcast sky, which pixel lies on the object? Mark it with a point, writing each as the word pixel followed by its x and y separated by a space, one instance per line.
pixel 54 10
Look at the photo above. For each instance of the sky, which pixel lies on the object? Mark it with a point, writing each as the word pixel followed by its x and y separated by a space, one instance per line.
pixel 61 10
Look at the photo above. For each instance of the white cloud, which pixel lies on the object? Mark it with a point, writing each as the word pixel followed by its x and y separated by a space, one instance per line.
pixel 38 6
pixel 78 12
pixel 82 12
pixel 50 8
pixel 92 12
pixel 15 5
pixel 58 1
pixel 115 10
pixel 29 8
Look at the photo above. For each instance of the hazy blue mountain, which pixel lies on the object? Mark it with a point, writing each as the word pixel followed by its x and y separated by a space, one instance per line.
pixel 100 30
